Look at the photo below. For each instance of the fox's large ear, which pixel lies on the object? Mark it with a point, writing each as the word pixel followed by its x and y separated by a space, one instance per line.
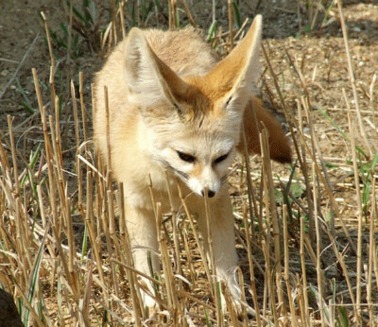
pixel 149 79
pixel 236 75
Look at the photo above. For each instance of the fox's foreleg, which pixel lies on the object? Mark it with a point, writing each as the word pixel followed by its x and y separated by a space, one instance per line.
pixel 142 233
pixel 217 227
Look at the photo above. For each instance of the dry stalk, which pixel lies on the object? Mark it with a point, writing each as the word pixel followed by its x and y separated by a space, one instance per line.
pixel 112 239
pixel 230 23
pixel 315 175
pixel 359 218
pixel 372 259
pixel 108 153
pixel 14 156
pixel 172 9
pixel 121 18
pixel 113 25
pixel 75 114
pixel 188 13
pixel 272 224
pixel 293 315
pixel 89 222
pixel 302 286
pixel 174 220
pixel 250 230
pixel 352 80
pixel 322 174
pixel 319 269
pixel 341 261
pixel 83 113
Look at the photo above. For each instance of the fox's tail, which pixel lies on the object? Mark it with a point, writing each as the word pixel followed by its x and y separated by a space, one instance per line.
pixel 255 119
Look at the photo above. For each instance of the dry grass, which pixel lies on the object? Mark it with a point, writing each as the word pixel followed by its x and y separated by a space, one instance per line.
pixel 64 251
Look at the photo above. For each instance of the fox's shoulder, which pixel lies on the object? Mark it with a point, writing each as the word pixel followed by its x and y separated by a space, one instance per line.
pixel 184 50
pixel 187 41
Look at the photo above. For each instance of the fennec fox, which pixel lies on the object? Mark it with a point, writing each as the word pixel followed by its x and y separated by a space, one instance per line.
pixel 175 117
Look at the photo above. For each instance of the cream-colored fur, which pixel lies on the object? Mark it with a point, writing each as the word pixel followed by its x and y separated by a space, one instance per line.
pixel 175 116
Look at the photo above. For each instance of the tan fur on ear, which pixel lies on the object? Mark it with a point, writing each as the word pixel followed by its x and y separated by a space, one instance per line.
pixel 241 66
pixel 146 73
pixel 255 118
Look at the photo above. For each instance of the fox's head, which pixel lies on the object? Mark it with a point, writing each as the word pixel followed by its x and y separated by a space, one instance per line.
pixel 192 124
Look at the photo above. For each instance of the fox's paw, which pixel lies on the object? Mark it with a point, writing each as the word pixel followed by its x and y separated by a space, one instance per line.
pixel 234 290
pixel 146 293
pixel 148 301
pixel 235 295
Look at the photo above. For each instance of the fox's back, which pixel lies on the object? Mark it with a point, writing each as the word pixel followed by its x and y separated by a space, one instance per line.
pixel 184 51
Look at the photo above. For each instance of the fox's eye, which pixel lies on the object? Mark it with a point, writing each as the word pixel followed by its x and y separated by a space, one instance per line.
pixel 220 159
pixel 186 157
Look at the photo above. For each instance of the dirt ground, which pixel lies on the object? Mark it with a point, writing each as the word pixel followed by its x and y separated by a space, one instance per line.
pixel 312 62
pixel 320 54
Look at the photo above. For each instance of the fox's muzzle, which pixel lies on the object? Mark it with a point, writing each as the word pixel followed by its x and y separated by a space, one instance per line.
pixel 208 193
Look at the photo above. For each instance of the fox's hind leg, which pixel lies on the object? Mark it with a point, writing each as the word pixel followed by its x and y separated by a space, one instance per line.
pixel 142 233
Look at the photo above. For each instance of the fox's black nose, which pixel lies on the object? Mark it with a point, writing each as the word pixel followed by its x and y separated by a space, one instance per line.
pixel 210 193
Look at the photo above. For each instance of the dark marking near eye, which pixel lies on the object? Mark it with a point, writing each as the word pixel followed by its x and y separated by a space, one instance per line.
pixel 178 109
pixel 200 122
pixel 228 101
pixel 177 172
pixel 220 159
pixel 186 157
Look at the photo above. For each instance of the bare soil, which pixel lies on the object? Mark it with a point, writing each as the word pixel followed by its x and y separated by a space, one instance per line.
pixel 319 54
pixel 309 63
